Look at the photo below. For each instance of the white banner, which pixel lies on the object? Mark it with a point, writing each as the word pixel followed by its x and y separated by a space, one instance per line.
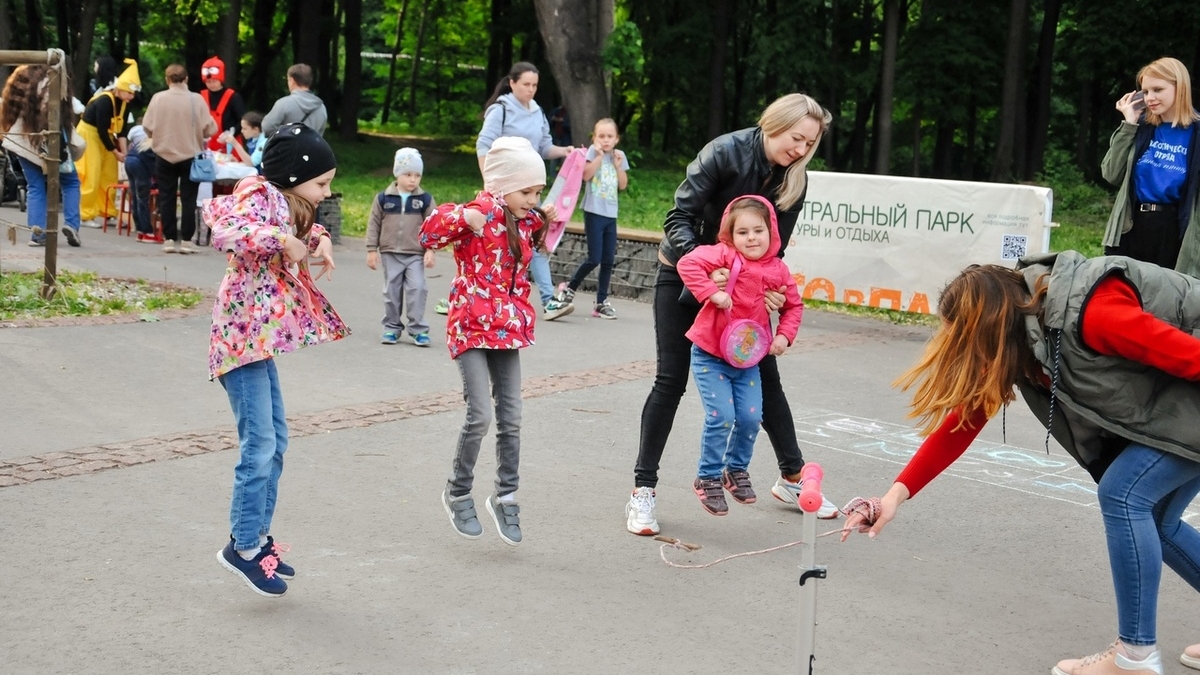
pixel 894 242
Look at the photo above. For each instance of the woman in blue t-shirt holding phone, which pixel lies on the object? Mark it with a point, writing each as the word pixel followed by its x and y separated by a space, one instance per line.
pixel 1151 160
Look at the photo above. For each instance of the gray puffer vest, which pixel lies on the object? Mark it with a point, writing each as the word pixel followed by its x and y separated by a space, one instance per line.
pixel 1097 404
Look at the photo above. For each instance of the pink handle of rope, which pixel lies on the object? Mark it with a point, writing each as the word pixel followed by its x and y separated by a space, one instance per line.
pixel 810 495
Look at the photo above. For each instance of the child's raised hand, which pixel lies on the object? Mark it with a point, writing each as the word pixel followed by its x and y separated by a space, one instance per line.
pixel 429 258
pixel 294 249
pixel 372 259
pixel 475 220
pixel 779 346
pixel 618 157
pixel 323 257
pixel 721 299
pixel 550 212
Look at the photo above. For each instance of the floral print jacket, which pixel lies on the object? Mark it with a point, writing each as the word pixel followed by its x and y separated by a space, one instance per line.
pixel 265 306
pixel 489 296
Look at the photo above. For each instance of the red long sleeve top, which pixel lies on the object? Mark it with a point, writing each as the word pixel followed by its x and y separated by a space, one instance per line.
pixel 1114 324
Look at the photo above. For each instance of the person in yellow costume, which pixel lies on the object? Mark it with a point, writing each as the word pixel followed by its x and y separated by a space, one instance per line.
pixel 103 127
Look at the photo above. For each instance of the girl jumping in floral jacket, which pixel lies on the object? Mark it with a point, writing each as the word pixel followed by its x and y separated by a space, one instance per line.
pixel 268 305
pixel 490 319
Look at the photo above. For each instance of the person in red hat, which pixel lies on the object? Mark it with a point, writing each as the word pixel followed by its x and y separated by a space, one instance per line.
pixel 224 104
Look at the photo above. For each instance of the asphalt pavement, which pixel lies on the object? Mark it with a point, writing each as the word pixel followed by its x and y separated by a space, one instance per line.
pixel 116 458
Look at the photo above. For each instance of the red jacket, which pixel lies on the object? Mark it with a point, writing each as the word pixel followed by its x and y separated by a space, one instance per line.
pixel 754 278
pixel 489 296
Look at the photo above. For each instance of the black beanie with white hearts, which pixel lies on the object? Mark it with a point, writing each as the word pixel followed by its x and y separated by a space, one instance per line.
pixel 296 154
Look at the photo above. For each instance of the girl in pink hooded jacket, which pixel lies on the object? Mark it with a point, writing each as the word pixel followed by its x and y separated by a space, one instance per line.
pixel 731 395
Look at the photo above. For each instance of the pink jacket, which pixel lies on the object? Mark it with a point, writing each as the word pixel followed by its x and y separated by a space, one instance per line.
pixel 754 278
pixel 265 307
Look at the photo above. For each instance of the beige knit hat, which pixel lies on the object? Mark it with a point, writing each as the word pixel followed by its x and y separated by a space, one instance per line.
pixel 512 165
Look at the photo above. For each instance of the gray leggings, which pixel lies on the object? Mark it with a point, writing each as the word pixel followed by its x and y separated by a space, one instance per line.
pixel 502 369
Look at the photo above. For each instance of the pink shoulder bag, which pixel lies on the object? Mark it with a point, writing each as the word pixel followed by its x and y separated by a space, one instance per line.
pixel 744 342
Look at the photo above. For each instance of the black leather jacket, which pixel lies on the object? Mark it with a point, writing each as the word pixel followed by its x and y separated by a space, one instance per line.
pixel 730 166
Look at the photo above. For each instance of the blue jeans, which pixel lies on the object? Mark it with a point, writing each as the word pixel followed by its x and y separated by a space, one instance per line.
pixel 602 250
pixel 257 404
pixel 140 169
pixel 35 184
pixel 539 269
pixel 1143 495
pixel 732 399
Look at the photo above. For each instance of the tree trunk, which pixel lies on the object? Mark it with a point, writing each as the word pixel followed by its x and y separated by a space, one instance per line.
pixel 352 77
pixel 887 87
pixel 716 67
pixel 916 140
pixel 416 61
pixel 255 85
pixel 307 45
pixel 1039 119
pixel 943 150
pixel 574 32
pixel 1014 65
pixel 82 65
pixel 35 26
pixel 500 48
pixel 5 37
pixel 391 84
pixel 832 102
pixel 226 41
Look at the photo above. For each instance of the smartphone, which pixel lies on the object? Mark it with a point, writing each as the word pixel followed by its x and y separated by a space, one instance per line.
pixel 1138 101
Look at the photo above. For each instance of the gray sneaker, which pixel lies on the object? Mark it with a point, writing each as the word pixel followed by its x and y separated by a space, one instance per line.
pixel 556 309
pixel 462 514
pixel 508 520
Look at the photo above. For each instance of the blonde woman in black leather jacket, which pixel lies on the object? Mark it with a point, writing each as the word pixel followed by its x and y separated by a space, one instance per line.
pixel 771 160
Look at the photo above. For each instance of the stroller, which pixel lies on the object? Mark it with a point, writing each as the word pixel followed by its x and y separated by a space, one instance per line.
pixel 14 186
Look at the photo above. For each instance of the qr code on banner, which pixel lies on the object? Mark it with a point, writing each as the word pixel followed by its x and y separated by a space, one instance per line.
pixel 1013 246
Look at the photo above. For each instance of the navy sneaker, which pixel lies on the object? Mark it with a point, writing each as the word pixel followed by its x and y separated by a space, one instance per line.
pixel 281 568
pixel 259 573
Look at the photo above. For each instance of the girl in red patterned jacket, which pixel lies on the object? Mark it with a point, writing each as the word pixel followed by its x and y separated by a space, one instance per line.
pixel 490 319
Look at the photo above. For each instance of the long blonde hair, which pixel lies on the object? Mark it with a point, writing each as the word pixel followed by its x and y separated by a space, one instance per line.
pixel 980 351
pixel 781 115
pixel 1173 71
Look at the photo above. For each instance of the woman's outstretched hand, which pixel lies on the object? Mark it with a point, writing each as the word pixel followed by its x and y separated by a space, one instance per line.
pixel 870 516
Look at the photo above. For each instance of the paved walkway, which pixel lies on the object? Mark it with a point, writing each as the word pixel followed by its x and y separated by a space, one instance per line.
pixel 115 471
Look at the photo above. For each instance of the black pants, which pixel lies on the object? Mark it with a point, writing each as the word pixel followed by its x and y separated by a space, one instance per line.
pixel 671 323
pixel 174 179
pixel 1153 238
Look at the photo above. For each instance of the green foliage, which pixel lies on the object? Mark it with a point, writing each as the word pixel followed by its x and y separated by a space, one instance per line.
pixel 85 294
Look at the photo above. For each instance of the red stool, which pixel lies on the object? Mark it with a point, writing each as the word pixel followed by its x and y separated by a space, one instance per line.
pixel 124 214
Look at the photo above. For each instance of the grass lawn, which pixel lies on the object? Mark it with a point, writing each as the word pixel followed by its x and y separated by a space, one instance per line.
pixel 86 294
pixel 452 175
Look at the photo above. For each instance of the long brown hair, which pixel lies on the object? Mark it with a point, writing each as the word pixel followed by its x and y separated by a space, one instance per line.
pixel 302 213
pixel 504 86
pixel 980 351
pixel 514 237
pixel 24 98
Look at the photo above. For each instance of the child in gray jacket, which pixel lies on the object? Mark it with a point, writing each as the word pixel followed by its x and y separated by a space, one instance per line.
pixel 393 231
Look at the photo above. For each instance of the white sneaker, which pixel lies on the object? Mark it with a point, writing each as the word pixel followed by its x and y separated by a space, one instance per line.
pixel 185 247
pixel 640 517
pixel 93 223
pixel 789 493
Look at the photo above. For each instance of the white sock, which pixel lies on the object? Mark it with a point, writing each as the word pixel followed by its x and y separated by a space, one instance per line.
pixel 1139 652
pixel 249 555
pixel 509 498
pixel 262 540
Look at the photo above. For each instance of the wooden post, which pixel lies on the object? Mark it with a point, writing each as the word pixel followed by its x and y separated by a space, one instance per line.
pixel 51 162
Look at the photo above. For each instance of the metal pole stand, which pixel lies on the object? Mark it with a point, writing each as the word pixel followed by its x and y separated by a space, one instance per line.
pixel 810 502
